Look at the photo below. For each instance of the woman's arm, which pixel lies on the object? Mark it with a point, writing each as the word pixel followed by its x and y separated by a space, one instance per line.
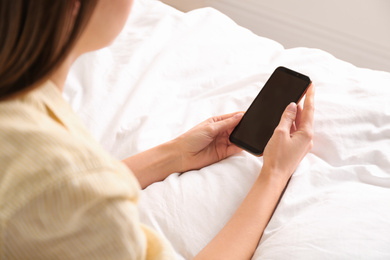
pixel 209 142
pixel 291 141
pixel 155 164
pixel 202 145
pixel 241 235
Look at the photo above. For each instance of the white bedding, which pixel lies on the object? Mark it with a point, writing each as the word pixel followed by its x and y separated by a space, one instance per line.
pixel 168 71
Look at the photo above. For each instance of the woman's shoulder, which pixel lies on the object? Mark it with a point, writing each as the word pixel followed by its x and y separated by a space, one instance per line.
pixel 38 153
pixel 40 130
pixel 32 135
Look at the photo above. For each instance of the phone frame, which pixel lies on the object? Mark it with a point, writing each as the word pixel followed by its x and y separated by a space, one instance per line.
pixel 248 147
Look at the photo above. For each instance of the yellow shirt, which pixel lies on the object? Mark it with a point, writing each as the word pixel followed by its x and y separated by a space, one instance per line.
pixel 61 195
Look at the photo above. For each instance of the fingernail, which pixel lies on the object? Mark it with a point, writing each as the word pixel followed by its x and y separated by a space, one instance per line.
pixel 292 107
pixel 239 115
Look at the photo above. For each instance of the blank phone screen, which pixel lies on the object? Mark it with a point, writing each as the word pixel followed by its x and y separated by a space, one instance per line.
pixel 263 116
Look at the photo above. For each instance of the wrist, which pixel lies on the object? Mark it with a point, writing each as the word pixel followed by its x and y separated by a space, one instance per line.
pixel 174 155
pixel 274 177
pixel 155 164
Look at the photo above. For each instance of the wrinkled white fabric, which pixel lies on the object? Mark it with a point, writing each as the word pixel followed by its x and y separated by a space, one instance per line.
pixel 168 71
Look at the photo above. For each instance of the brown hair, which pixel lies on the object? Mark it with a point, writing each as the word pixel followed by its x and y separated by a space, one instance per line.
pixel 36 36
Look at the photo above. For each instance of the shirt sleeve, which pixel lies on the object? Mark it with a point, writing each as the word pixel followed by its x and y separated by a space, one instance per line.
pixel 92 216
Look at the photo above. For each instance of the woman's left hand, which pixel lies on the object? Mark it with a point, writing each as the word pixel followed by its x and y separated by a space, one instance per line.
pixel 202 145
pixel 208 142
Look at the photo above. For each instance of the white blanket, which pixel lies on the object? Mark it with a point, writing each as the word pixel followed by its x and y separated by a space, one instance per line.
pixel 168 71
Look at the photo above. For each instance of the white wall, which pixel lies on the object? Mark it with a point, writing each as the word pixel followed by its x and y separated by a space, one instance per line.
pixel 357 31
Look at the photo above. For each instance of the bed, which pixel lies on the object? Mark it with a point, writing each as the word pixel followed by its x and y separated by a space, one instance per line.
pixel 168 71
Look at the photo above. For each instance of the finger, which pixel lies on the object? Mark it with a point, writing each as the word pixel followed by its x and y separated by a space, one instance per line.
pixel 226 116
pixel 306 120
pixel 228 123
pixel 233 149
pixel 293 128
pixel 299 115
pixel 288 117
pixel 218 118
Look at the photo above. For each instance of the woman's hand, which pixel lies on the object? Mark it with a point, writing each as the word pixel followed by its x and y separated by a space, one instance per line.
pixel 290 142
pixel 208 142
pixel 202 145
pixel 292 139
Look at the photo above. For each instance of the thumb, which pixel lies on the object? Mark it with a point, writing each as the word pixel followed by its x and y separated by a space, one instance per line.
pixel 288 116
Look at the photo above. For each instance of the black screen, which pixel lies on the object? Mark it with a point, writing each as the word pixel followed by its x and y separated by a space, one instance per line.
pixel 263 116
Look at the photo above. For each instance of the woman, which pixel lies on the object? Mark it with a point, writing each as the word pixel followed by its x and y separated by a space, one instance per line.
pixel 61 195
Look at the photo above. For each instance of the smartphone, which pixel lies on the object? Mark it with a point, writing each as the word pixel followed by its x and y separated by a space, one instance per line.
pixel 262 117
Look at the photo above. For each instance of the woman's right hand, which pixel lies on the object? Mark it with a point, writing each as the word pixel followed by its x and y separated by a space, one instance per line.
pixel 291 141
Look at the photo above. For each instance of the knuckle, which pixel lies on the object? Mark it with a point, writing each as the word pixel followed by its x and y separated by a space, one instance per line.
pixel 290 116
pixel 280 131
pixel 308 135
pixel 310 145
pixel 210 128
pixel 310 107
